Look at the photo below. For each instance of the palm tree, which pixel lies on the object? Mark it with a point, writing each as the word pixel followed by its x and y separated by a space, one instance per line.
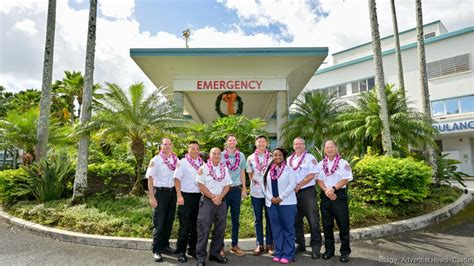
pixel 360 127
pixel 401 82
pixel 379 78
pixel 135 117
pixel 423 77
pixel 313 119
pixel 80 180
pixel 43 121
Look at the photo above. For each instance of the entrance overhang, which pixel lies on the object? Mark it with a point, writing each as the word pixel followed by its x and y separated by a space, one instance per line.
pixel 255 74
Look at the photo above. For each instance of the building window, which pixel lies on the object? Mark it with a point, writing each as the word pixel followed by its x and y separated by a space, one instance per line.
pixel 342 89
pixel 355 87
pixel 448 66
pixel 437 108
pixel 453 106
pixel 371 83
pixel 430 35
pixel 467 104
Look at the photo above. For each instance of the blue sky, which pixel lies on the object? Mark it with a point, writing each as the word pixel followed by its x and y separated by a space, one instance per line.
pixel 125 24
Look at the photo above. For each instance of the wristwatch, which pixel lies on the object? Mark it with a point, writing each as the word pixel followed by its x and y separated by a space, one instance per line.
pixel 334 187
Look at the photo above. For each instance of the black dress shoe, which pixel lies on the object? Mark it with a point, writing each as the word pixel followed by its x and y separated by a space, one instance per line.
pixel 218 258
pixel 168 250
pixel 344 258
pixel 201 263
pixel 157 257
pixel 315 254
pixel 300 248
pixel 182 258
pixel 327 255
pixel 192 254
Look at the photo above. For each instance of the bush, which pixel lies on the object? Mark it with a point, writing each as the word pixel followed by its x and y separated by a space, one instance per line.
pixel 111 175
pixel 48 179
pixel 10 181
pixel 391 181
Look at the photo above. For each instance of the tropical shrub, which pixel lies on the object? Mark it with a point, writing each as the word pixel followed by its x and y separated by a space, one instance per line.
pixel 49 179
pixel 390 181
pixel 447 169
pixel 110 176
pixel 10 181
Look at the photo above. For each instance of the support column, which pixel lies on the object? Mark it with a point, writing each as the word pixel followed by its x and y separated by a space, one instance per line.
pixel 281 111
pixel 179 102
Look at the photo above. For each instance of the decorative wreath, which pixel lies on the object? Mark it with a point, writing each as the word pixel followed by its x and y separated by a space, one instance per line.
pixel 240 104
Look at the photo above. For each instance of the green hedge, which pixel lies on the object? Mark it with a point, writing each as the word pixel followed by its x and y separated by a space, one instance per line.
pixel 10 181
pixel 390 181
pixel 111 176
pixel 110 168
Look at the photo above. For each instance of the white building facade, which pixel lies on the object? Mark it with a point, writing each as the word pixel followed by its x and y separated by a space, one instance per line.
pixel 449 58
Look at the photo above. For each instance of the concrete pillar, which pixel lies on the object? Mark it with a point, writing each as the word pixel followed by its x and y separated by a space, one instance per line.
pixel 179 102
pixel 281 110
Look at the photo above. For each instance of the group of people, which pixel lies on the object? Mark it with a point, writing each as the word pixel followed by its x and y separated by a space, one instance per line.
pixel 283 190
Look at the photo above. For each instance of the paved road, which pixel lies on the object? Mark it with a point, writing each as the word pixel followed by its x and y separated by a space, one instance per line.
pixel 447 243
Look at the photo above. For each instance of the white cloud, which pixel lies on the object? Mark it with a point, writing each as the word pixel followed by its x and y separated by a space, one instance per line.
pixel 119 9
pixel 27 26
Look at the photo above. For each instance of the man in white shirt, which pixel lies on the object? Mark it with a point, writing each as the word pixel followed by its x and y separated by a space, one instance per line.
pixel 214 182
pixel 334 173
pixel 162 196
pixel 304 165
pixel 188 195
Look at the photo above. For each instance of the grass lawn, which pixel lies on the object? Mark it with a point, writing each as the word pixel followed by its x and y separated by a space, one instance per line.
pixel 131 216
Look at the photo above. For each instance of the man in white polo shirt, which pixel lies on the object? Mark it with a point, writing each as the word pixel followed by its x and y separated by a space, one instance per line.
pixel 162 197
pixel 214 182
pixel 334 173
pixel 304 165
pixel 188 195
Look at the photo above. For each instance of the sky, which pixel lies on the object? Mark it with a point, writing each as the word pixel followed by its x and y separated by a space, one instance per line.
pixel 125 24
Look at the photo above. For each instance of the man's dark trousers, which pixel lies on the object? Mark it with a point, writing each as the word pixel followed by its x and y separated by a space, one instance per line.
pixel 163 217
pixel 308 207
pixel 209 214
pixel 187 215
pixel 336 209
pixel 233 200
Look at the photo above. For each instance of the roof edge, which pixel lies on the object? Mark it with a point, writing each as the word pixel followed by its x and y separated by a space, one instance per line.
pixel 261 51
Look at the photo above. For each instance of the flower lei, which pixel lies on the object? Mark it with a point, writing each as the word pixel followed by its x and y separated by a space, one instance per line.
pixel 192 163
pixel 236 163
pixel 299 163
pixel 211 171
pixel 275 172
pixel 334 167
pixel 261 167
pixel 171 166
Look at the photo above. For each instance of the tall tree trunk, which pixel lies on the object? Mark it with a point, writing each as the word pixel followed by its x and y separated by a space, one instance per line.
pixel 401 82
pixel 138 150
pixel 423 77
pixel 45 102
pixel 80 180
pixel 379 78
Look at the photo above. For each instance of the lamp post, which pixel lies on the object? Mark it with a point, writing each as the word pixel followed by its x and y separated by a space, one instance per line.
pixel 186 34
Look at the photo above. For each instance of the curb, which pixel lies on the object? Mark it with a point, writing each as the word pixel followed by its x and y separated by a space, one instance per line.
pixel 245 244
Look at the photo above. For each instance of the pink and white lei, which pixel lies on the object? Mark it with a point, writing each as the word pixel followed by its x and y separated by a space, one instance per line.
pixel 334 167
pixel 299 162
pixel 275 172
pixel 237 160
pixel 192 163
pixel 211 171
pixel 261 167
pixel 171 166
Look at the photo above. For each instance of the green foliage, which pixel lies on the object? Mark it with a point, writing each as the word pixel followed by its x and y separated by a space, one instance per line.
pixel 130 216
pixel 48 179
pixel 110 168
pixel 360 127
pixel 10 181
pixel 390 181
pixel 447 169
pixel 313 119
pixel 215 134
